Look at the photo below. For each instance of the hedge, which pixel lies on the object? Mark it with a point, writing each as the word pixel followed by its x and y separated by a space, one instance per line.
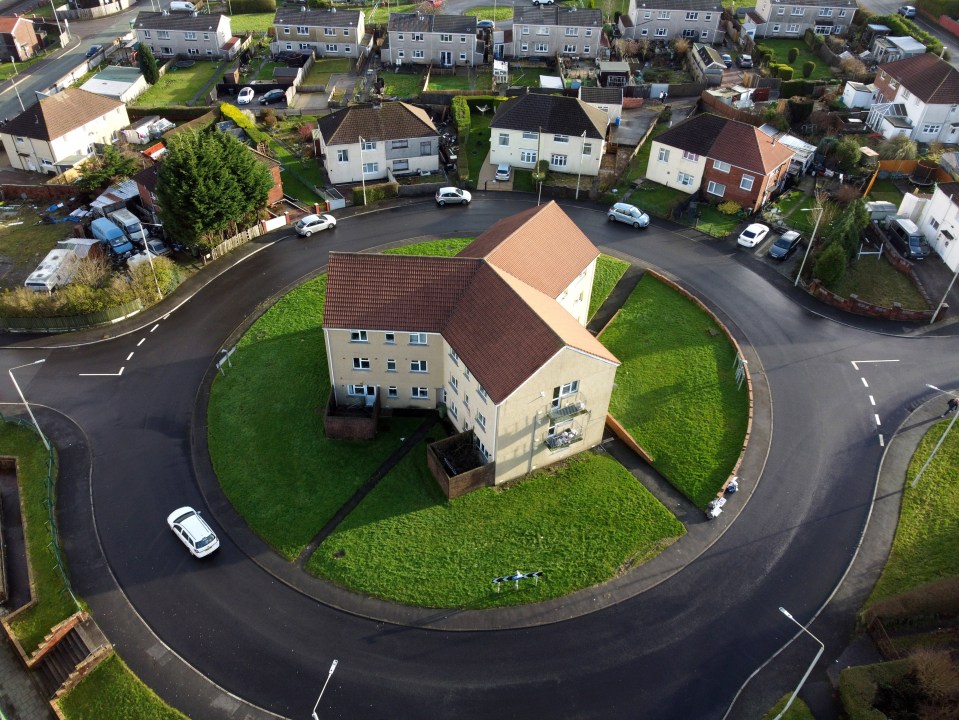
pixel 858 685
pixel 379 191
pixel 461 116
pixel 795 88
pixel 900 26
pixel 932 601
pixel 231 112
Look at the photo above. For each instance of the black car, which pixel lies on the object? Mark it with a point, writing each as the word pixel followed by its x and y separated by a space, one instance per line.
pixel 93 50
pixel 272 96
pixel 785 245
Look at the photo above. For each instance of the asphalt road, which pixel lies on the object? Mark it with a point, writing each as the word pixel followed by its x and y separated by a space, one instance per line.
pixel 680 650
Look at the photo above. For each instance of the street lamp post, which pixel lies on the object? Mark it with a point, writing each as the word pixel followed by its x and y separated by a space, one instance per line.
pixel 323 690
pixel 955 416
pixel 14 83
pixel 43 437
pixel 56 17
pixel 362 170
pixel 811 241
pixel 811 665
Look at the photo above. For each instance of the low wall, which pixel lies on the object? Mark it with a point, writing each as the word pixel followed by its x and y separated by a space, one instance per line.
pixel 859 307
pixel 38 192
pixel 466 482
pixel 420 189
pixel 350 427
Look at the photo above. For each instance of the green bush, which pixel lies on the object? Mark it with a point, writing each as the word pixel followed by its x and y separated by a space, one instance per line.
pixel 784 72
pixel 730 207
pixel 231 112
pixel 242 7
pixel 808 67
pixel 799 109
pixel 764 54
pixel 795 88
pixel 900 26
pixel 461 116
pixel 793 54
pixel 379 191
pixel 830 266
pixel 858 686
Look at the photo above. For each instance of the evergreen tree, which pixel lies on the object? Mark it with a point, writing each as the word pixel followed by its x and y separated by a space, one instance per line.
pixel 98 172
pixel 148 64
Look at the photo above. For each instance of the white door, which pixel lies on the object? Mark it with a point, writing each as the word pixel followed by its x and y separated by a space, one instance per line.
pixel 370 395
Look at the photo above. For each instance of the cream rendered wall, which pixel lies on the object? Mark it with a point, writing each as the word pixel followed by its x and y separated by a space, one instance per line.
pixel 667 173
pixel 943 210
pixel 546 147
pixel 34 150
pixel 470 400
pixel 341 350
pixel 350 171
pixel 100 130
pixel 523 421
pixel 575 298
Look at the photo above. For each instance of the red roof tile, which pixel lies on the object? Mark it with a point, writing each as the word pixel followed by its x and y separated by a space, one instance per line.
pixel 928 77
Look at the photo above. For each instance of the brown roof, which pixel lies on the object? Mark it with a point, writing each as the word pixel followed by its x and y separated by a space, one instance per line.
pixel 391 121
pixel 56 115
pixel 7 24
pixel 736 143
pixel 517 244
pixel 147 177
pixel 927 77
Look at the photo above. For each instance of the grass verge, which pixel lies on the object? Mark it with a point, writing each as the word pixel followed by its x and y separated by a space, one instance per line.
pixel 382 14
pixel 581 523
pixel 481 81
pixel 676 389
pixel 178 85
pixel 113 691
pixel 875 281
pixel 608 272
pixel 491 12
pixel 797 711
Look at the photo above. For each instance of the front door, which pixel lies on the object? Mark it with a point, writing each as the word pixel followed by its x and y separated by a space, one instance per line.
pixel 446 58
pixel 370 395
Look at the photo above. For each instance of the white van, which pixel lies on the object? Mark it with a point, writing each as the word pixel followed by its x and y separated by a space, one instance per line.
pixel 180 6
pixel 130 224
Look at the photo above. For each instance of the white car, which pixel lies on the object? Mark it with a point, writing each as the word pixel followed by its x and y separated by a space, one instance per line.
pixel 245 96
pixel 193 531
pixel 753 235
pixel 157 247
pixel 452 196
pixel 502 172
pixel 629 214
pixel 543 2
pixel 314 223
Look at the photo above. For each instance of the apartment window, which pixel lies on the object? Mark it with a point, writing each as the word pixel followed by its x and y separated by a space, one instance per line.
pixel 689 33
pixel 527 156
pixel 570 32
pixel 715 188
pixel 401 165
pixel 664 15
pixel 462 38
pixel 481 392
pixel 454 357
pixel 934 223
pixel 146 34
pixel 466 401
pixel 708 17
pixel 704 35
pixel 19 138
pixel 524 47
pixel 798 11
pixel 166 50
pixel 481 420
pixel 466 373
pixel 825 12
pixel 482 449
pixel 570 388
pixel 346 32
pixel 721 166
pixel 644 32
pixel 746 183
pixel 504 140
pixel 358 336
pixel 589 32
pixel 360 363
pixel 391 391
pixel 286 31
pixel 776 28
pixel 663 154
pixel 289 46
pixel 326 31
pixel 782 11
pixel 369 168
pixel 420 393
pixel 530 135
pixel 163 34
pixel 792 28
pixel 399 144
pixel 587 148
pixel 417 338
pixel 823 29
pixel 193 51
pixel 390 365
pixel 542 31
pixel 356 390
pixel 303 30
pixel 418 366
pixel 454 384
pixel 426 148
pixel 557 160
pixel 542 48
pixel 569 49
pixel 462 56
pixel 647 14
pixel 389 338
pixel 343 156
pixel 305 46
pixel 685 179
pixel 561 138
pixel 526 30
pixel 930 128
pixel 454 411
pixel 399 36
pixel 585 49
pixel 417 37
pixel 206 36
pixel 842 13
pixel 418 54
pixel 906 94
pixel 661 32
pixel 691 16
pixel 692 157
pixel 446 37
pixel 369 144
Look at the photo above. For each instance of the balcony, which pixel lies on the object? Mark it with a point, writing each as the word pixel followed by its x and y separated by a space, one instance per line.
pixel 564 439
pixel 565 412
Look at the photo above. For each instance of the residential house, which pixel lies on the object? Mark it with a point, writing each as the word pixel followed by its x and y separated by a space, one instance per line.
pixel 186 34
pixel 939 222
pixel 791 18
pixel 887 49
pixel 556 30
pixel 495 335
pixel 571 133
pixel 668 19
pixel 18 38
pixel 370 142
pixel 60 131
pixel 608 100
pixel 725 159
pixel 422 39
pixel 328 33
pixel 918 97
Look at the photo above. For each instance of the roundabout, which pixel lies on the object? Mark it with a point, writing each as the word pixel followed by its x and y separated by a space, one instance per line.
pixel 239 636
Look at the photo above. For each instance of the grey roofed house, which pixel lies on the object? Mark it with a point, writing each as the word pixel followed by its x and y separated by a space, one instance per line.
pixel 316 18
pixel 551 114
pixel 391 121
pixel 177 21
pixel 416 22
pixel 557 15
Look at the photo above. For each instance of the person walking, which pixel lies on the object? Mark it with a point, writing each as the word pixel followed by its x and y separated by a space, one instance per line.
pixel 951 406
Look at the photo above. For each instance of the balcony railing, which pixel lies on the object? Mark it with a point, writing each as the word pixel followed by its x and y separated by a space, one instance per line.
pixel 563 439
pixel 565 412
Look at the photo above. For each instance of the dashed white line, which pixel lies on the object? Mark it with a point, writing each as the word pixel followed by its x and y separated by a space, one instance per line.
pixel 116 374
pixel 882 442
pixel 877 419
pixel 129 356
pixel 154 327
pixel 864 382
pixel 142 340
pixel 872 400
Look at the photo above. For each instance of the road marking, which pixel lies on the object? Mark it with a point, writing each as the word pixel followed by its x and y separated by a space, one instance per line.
pixel 872 400
pixel 864 382
pixel 154 327
pixel 116 374
pixel 142 340
pixel 129 356
pixel 882 443
pixel 165 316
pixel 877 419
pixel 856 365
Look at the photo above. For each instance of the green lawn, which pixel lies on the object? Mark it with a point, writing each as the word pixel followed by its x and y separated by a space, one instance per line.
pixel 657 200
pixel 112 691
pixel 609 270
pixel 885 190
pixel 676 391
pixel 251 22
pixel 781 49
pixel 480 81
pixel 322 69
pixel 522 180
pixel 402 85
pixel 581 523
pixel 53 602
pixel 26 244
pixel 178 85
pixel 924 548
pixel 443 248
pixel 797 711
pixel 490 12
pixel 528 77
pixel 712 222
pixel 266 70
pixel 477 145
pixel 7 68
pixel 299 176
pixel 382 14
pixel 875 281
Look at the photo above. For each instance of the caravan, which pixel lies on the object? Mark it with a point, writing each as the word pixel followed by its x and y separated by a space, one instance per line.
pixel 55 271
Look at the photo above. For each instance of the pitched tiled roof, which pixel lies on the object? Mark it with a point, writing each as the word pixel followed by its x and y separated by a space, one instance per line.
pixel 56 115
pixel 502 328
pixel 7 24
pixel 415 22
pixel 517 245
pixel 932 80
pixel 551 113
pixel 333 17
pixel 557 15
pixel 611 96
pixel 178 21
pixel 391 121
pixel 729 141
pixel 147 177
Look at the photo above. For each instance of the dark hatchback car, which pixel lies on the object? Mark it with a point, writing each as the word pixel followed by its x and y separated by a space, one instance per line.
pixel 272 96
pixel 785 245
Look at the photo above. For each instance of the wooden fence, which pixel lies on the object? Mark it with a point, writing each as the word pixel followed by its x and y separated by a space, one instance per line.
pixel 241 238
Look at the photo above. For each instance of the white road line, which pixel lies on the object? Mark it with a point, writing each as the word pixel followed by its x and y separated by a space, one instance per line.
pixel 154 327
pixel 116 374
pixel 143 340
pixel 165 316
pixel 855 363
pixel 864 382
pixel 872 400
pixel 882 443
pixel 877 419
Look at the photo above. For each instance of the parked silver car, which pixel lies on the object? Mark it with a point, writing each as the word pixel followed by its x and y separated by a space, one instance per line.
pixel 629 214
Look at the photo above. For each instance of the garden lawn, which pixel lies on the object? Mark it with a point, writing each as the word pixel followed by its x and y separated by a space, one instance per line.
pixel 523 180
pixel 382 14
pixel 252 22
pixel 581 523
pixel 266 70
pixel 27 244
pixel 924 548
pixel 676 390
pixel 875 281
pixel 609 270
pixel 112 691
pixel 402 85
pixel 53 602
pixel 781 49
pixel 481 81
pixel 490 12
pixel 800 219
pixel 178 85
pixel 886 190
pixel 299 176
pixel 322 69
pixel 712 222
pixel 656 199
pixel 266 427
pixel 477 144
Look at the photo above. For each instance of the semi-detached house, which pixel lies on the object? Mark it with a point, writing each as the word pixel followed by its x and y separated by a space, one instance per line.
pixel 695 20
pixel 170 35
pixel 919 98
pixel 791 18
pixel 327 33
pixel 556 30
pixel 423 39
pixel 496 335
